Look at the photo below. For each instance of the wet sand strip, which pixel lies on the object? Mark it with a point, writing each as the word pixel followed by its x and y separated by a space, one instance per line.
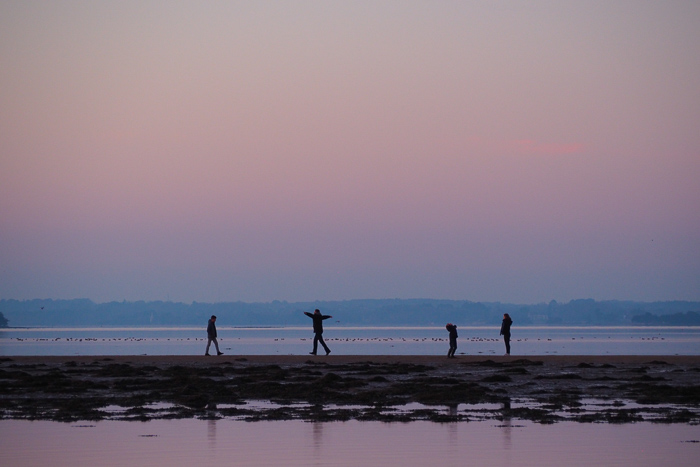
pixel 545 389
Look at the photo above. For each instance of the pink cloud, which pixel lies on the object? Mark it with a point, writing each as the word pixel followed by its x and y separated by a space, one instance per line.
pixel 528 146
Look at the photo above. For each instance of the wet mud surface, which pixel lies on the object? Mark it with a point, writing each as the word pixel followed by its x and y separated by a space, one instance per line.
pixel 622 390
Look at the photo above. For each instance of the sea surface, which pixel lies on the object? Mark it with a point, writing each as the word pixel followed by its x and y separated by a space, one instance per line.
pixel 351 341
pixel 296 443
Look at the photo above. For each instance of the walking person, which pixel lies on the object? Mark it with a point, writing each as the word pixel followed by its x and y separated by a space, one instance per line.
pixel 452 329
pixel 505 331
pixel 211 336
pixel 318 329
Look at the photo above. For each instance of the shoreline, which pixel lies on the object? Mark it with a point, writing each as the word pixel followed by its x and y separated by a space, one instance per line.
pixel 544 389
pixel 345 359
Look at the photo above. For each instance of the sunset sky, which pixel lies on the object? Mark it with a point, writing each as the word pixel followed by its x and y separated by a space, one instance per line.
pixel 319 150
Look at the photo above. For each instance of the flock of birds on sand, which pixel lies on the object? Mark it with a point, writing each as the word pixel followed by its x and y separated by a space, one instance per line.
pixel 336 339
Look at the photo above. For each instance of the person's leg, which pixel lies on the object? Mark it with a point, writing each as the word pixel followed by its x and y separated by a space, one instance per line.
pixel 315 344
pixel 323 343
pixel 206 352
pixel 506 338
pixel 216 344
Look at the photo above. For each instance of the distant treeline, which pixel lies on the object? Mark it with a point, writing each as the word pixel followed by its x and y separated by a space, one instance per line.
pixel 689 318
pixel 381 312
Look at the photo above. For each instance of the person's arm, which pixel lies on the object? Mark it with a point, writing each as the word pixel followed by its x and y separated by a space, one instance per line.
pixel 308 314
pixel 326 316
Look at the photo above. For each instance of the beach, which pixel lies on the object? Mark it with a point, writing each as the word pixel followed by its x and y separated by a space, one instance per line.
pixel 543 389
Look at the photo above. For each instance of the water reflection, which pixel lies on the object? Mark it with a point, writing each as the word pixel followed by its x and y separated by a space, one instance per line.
pixel 211 434
pixel 452 410
pixel 452 428
pixel 297 443
pixel 317 437
pixel 506 426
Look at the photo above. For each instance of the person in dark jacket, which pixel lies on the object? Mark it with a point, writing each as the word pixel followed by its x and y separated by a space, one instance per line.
pixel 211 336
pixel 505 331
pixel 452 329
pixel 318 330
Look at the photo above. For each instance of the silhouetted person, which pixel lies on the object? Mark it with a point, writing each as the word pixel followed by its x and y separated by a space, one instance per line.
pixel 505 331
pixel 211 335
pixel 318 329
pixel 452 329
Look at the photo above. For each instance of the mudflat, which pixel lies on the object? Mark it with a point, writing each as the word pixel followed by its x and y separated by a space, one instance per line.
pixel 546 389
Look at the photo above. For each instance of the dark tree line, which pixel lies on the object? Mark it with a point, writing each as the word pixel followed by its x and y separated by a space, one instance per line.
pixel 380 312
pixel 689 318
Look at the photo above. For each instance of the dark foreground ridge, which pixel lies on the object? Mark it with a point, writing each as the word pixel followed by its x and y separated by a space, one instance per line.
pixel 544 389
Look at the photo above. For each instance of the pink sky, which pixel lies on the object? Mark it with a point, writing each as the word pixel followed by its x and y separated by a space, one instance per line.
pixel 489 151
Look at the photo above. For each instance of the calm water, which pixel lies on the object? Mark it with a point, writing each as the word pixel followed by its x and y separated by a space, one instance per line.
pixel 296 443
pixel 293 443
pixel 352 341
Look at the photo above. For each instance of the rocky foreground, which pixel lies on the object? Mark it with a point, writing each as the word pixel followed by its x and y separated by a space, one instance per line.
pixel 545 389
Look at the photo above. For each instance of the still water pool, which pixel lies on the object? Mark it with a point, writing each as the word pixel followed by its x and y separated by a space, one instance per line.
pixel 296 443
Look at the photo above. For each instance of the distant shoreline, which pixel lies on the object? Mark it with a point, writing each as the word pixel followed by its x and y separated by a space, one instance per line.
pixel 356 312
pixel 348 359
pixel 348 326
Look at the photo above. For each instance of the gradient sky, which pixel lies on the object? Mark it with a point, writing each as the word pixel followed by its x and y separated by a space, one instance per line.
pixel 216 151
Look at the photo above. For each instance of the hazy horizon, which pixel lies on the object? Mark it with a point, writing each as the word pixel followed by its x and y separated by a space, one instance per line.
pixel 515 152
pixel 380 299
